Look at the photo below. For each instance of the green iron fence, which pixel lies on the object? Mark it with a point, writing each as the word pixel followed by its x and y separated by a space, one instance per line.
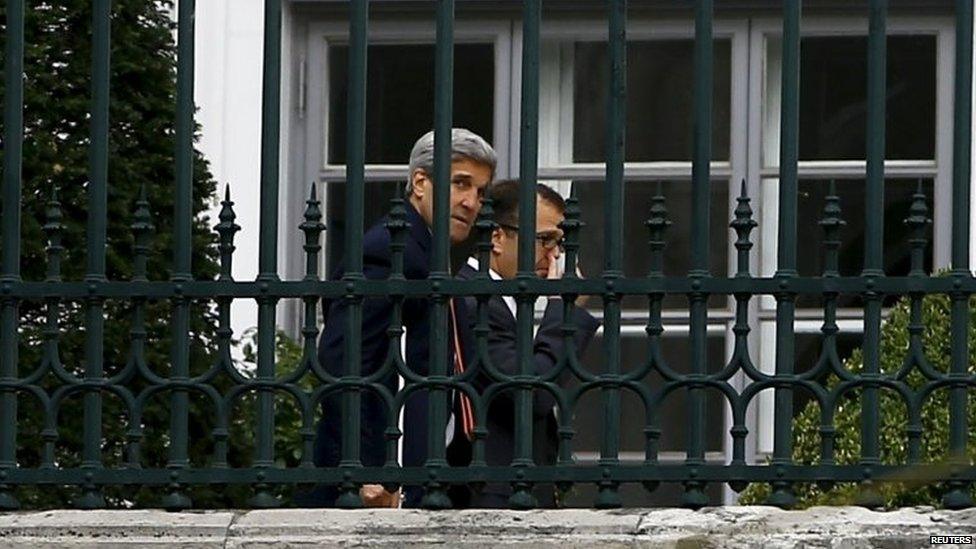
pixel 91 476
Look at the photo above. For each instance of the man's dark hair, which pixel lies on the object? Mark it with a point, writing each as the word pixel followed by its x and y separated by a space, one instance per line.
pixel 505 198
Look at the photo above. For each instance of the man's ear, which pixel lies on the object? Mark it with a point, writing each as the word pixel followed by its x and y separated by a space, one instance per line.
pixel 419 183
pixel 497 241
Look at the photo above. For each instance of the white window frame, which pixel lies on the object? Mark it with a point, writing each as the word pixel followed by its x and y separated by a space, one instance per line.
pixel 764 119
pixel 556 140
pixel 750 129
pixel 386 31
pixel 557 169
pixel 556 121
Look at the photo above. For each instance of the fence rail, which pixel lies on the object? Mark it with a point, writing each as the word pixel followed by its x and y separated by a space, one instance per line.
pixel 51 383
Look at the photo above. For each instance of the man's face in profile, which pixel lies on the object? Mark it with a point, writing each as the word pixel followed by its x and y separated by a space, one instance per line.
pixel 469 179
pixel 548 235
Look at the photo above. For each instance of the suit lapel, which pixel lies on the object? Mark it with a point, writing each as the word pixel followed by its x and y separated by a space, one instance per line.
pixel 497 304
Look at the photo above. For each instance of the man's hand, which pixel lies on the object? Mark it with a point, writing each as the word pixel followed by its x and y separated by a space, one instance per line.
pixel 374 495
pixel 582 298
pixel 555 271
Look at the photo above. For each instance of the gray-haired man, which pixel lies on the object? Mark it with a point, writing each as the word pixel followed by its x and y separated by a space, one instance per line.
pixel 472 169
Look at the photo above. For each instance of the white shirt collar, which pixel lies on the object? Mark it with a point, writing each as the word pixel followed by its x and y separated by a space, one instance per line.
pixel 509 300
pixel 473 263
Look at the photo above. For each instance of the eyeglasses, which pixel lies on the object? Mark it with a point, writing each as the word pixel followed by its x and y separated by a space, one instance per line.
pixel 547 240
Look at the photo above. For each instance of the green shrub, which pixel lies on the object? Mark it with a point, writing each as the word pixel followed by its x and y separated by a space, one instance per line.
pixel 288 416
pixel 893 439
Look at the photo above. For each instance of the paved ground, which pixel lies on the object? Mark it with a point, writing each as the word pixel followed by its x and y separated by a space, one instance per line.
pixel 837 527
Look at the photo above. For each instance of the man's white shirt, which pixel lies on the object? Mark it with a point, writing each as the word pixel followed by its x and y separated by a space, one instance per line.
pixel 509 300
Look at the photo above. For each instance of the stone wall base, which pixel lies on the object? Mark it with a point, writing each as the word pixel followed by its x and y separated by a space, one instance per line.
pixel 835 527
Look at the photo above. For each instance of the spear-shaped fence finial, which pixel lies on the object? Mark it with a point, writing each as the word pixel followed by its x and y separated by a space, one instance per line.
pixel 227 228
pixel 657 225
pixel 918 221
pixel 142 228
pixel 54 229
pixel 743 224
pixel 313 227
pixel 832 223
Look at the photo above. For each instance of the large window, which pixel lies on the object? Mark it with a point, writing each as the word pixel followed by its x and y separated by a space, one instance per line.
pixel 833 121
pixel 660 113
pixel 658 153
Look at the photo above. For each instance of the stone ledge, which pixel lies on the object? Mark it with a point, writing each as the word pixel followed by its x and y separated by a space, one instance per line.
pixel 838 527
pixel 132 528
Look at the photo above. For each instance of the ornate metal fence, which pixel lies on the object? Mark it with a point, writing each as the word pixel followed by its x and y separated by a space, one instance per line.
pixel 50 384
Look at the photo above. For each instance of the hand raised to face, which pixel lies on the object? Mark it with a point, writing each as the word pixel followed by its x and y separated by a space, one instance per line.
pixel 555 270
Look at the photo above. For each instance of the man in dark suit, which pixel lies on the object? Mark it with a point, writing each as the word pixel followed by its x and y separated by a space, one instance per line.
pixel 472 169
pixel 548 345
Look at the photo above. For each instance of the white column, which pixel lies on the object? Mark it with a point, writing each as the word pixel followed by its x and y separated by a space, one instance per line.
pixel 229 47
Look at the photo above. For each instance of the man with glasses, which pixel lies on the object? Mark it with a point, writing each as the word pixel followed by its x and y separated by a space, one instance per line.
pixel 548 345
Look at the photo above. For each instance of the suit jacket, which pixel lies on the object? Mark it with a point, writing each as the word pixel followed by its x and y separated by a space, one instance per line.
pixel 376 316
pixel 548 348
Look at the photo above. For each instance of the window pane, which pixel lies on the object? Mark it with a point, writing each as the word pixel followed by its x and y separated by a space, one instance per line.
pixel 660 109
pixel 897 250
pixel 833 98
pixel 400 97
pixel 672 412
pixel 636 253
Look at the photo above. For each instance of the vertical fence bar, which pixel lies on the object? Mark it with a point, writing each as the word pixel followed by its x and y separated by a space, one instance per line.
pixel 917 221
pixel 435 496
pixel 608 496
pixel 182 251
pixel 399 227
pixel 312 227
pixel 13 145
pixel 743 224
pixel 443 120
pixel 873 245
pixel 571 226
pixel 831 223
pixel 528 173
pixel 268 243
pixel 485 226
pixel 142 229
pixel 657 224
pixel 13 140
pixel 694 495
pixel 96 236
pixel 54 230
pixel 226 230
pixel 959 496
pixel 782 494
pixel 355 180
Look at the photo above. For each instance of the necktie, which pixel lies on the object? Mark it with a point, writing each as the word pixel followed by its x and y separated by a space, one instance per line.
pixel 467 413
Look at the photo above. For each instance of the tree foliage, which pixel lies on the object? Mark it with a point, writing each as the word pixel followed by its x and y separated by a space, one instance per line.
pixel 57 84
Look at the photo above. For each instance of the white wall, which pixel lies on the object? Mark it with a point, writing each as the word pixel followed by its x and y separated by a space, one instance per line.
pixel 228 95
